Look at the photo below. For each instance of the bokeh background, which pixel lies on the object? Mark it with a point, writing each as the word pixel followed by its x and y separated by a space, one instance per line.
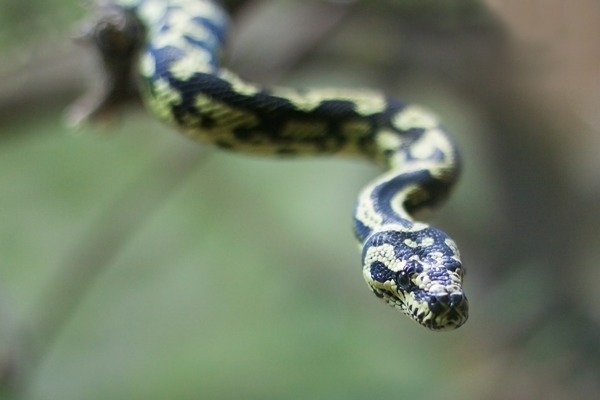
pixel 136 264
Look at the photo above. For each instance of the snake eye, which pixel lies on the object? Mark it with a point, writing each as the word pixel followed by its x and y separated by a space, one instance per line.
pixel 404 277
pixel 403 280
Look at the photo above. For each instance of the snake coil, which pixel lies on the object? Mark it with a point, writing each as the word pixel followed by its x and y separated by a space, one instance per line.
pixel 412 266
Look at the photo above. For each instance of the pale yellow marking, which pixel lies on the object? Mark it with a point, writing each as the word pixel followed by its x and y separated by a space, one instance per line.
pixel 436 138
pixel 181 22
pixel 423 280
pixel 450 243
pixel 172 37
pixel 163 98
pixel 384 253
pixel 427 241
pixel 302 101
pixel 226 118
pixel 414 116
pixel 199 8
pixel 372 219
pixel 431 140
pixel 371 103
pixel 164 91
pixel 388 140
pixel 239 85
pixel 365 102
pixel 151 12
pixel 413 192
pixel 365 211
pixel 178 19
pixel 437 258
pixel 147 65
pixel 410 243
pixel 388 286
pixel 193 62
pixel 426 147
pixel 435 287
pixel 397 201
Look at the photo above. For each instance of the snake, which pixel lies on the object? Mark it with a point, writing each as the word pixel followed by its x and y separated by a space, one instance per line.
pixel 412 266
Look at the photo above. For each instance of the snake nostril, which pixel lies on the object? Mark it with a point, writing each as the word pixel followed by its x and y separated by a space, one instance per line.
pixel 456 299
pixel 438 303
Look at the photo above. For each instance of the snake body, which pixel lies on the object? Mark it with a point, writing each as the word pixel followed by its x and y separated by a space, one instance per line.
pixel 412 266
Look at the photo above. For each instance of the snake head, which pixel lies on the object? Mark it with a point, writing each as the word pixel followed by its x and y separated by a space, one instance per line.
pixel 419 272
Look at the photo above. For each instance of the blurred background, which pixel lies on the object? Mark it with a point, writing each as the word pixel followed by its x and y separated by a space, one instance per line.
pixel 136 264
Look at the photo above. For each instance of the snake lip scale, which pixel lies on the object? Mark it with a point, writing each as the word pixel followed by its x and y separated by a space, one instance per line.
pixel 414 267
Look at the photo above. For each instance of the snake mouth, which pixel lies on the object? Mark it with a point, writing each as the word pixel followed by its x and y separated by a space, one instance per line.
pixel 447 312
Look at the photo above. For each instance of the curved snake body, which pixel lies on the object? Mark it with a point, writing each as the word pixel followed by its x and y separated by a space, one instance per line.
pixel 412 266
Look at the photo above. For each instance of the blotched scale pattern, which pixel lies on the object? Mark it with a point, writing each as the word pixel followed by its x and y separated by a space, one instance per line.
pixel 412 266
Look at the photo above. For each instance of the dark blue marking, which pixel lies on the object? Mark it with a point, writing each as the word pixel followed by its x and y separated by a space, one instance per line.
pixel 421 295
pixel 439 275
pixel 404 252
pixel 217 29
pixel 202 44
pixel 361 231
pixel 164 56
pixel 435 189
pixel 381 273
pixel 273 113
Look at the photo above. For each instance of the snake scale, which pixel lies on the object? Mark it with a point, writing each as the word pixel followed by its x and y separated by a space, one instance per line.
pixel 412 266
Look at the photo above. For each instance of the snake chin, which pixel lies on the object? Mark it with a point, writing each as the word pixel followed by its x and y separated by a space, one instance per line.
pixel 440 312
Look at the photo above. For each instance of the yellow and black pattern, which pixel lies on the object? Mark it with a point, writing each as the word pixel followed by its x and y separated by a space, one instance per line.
pixel 412 266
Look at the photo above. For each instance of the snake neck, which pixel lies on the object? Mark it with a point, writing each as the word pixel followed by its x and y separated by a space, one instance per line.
pixel 422 163
pixel 410 265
